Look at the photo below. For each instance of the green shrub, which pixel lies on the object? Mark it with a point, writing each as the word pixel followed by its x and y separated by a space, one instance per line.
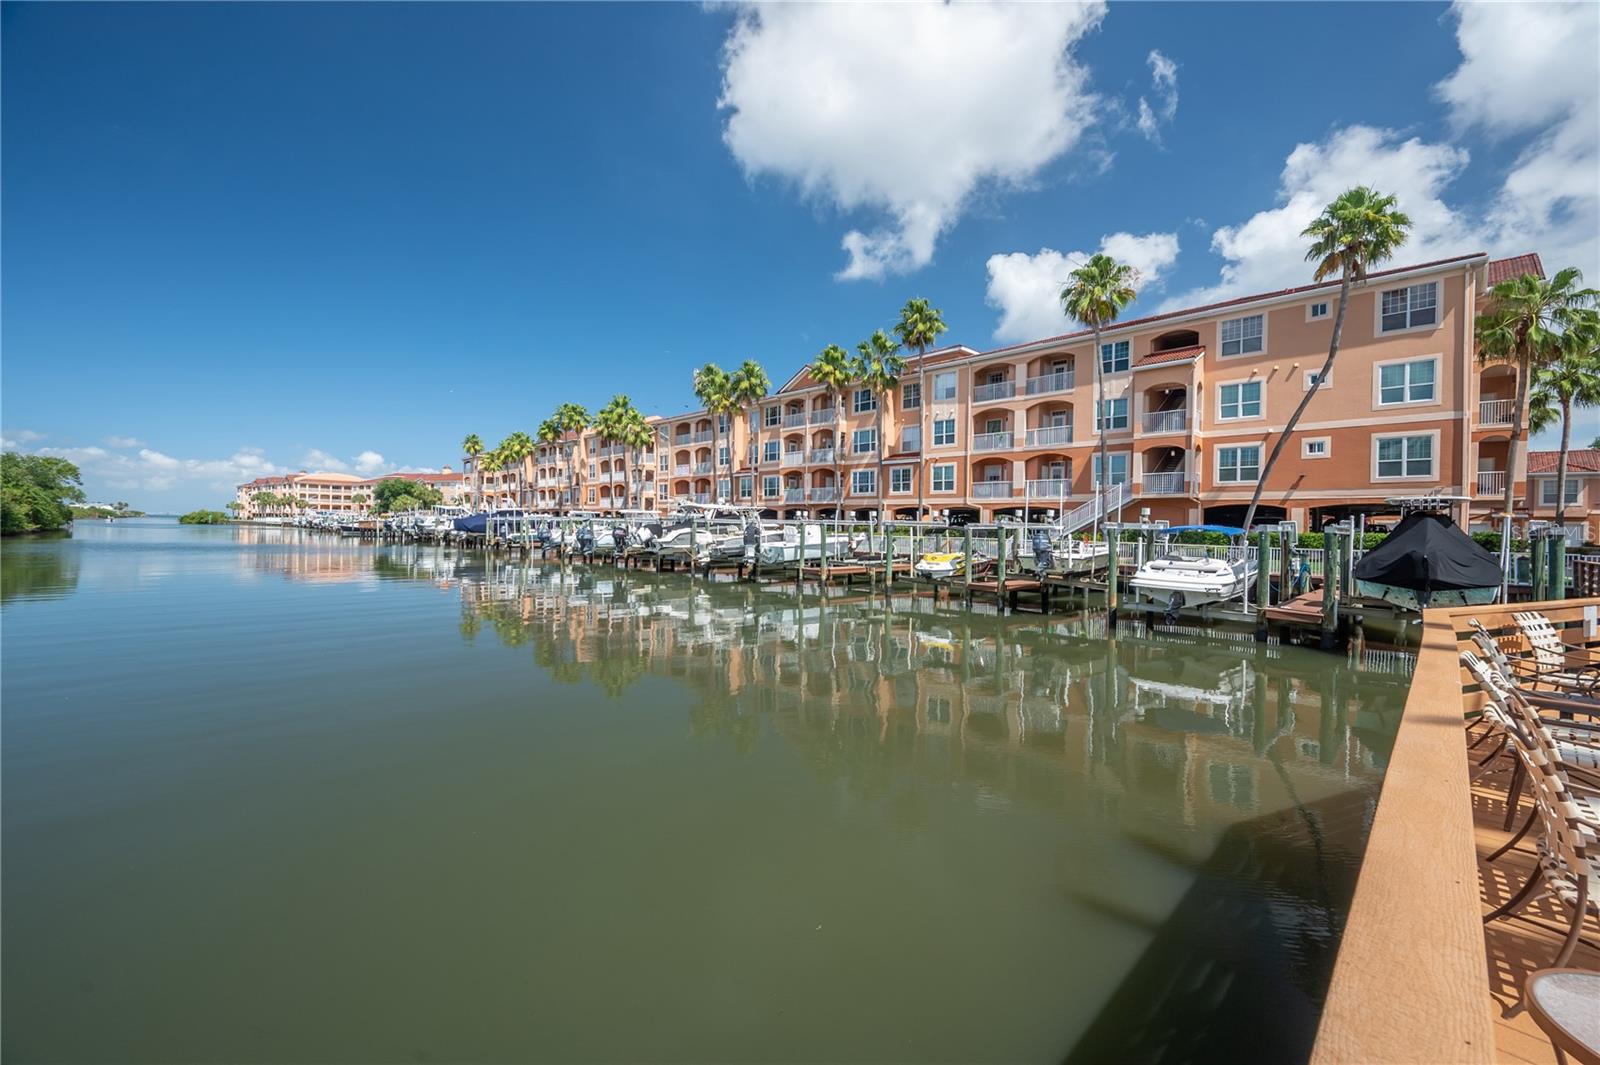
pixel 205 517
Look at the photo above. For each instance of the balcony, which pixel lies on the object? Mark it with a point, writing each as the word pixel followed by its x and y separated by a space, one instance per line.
pixel 702 437
pixel 1167 421
pixel 1050 436
pixel 702 468
pixel 822 455
pixel 823 417
pixel 700 497
pixel 1060 381
pixel 680 471
pixel 991 490
pixel 794 458
pixel 1050 488
pixel 992 441
pixel 681 441
pixel 823 495
pixel 1496 411
pixel 794 421
pixel 991 392
pixel 1170 483
pixel 1491 483
pixel 794 495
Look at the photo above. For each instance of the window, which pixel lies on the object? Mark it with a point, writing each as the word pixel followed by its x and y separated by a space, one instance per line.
pixel 744 487
pixel 944 477
pixel 1116 412
pixel 864 441
pixel 1547 491
pixel 911 395
pixel 865 401
pixel 1119 468
pixel 944 432
pixel 1317 377
pixel 1243 336
pixel 769 451
pixel 1317 310
pixel 1405 456
pixel 722 455
pixel 911 438
pixel 863 482
pixel 1242 399
pixel 900 479
pixel 773 416
pixel 944 385
pixel 1315 447
pixel 1410 308
pixel 723 424
pixel 1239 465
pixel 1114 356
pixel 994 425
pixel 1406 382
pixel 769 486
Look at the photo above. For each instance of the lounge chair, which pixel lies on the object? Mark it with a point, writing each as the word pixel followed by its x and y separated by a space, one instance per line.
pixel 1558 663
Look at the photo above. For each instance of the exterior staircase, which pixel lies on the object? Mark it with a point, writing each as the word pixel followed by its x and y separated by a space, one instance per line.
pixel 1108 501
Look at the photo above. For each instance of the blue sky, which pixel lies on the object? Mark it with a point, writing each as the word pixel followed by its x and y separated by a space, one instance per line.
pixel 247 238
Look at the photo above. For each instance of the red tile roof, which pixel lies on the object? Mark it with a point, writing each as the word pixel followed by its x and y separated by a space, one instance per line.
pixel 1173 355
pixel 1579 460
pixel 802 377
pixel 1504 269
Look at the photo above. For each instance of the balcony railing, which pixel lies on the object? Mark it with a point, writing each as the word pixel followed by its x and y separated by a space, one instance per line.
pixel 794 458
pixel 1050 435
pixel 823 416
pixel 997 390
pixel 1496 411
pixel 796 420
pixel 1050 488
pixel 991 490
pixel 681 471
pixel 702 437
pixel 822 454
pixel 1167 421
pixel 701 497
pixel 992 441
pixel 1491 482
pixel 682 441
pixel 823 495
pixel 1169 483
pixel 1060 381
pixel 794 495
pixel 702 467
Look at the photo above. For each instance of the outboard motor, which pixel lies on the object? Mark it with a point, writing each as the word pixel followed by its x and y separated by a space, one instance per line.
pixel 619 535
pixel 586 539
pixel 752 538
pixel 1043 553
pixel 1174 605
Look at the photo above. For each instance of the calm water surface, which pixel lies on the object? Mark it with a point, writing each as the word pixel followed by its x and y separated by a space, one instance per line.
pixel 277 797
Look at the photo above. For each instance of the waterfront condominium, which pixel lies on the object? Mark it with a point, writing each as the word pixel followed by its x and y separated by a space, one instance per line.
pixel 337 493
pixel 1188 402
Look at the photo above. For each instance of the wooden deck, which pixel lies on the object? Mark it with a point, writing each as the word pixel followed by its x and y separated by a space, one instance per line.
pixel 1522 944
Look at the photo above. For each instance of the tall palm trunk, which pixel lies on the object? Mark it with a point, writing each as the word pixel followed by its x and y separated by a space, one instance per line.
pixel 1102 426
pixel 883 489
pixel 1524 371
pixel 714 428
pixel 922 426
pixel 838 454
pixel 1305 401
pixel 1561 464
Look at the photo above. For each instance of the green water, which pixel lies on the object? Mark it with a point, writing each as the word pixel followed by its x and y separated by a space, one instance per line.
pixel 280 797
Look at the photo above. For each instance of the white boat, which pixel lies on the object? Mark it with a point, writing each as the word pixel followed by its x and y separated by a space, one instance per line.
pixel 781 545
pixel 1070 556
pixel 1180 581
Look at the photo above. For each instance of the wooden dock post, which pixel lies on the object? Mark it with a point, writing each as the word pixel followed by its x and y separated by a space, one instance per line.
pixel 1000 568
pixel 1538 559
pixel 1330 588
pixel 1558 565
pixel 800 561
pixel 1113 573
pixel 1263 584
pixel 966 560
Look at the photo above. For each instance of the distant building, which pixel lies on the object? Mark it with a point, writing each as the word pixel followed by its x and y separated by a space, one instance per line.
pixel 338 493
pixel 1583 491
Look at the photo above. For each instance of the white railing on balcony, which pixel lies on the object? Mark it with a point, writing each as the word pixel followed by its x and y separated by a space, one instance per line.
pixel 822 454
pixel 701 497
pixel 794 495
pixel 682 441
pixel 1491 482
pixel 794 458
pixel 1169 483
pixel 998 390
pixel 681 470
pixel 992 441
pixel 702 467
pixel 1496 411
pixel 823 495
pixel 795 420
pixel 823 416
pixel 1167 421
pixel 1060 381
pixel 1050 488
pixel 702 437
pixel 991 490
pixel 1050 435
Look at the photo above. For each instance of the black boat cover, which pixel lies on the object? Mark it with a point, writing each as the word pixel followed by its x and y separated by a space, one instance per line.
pixel 1429 553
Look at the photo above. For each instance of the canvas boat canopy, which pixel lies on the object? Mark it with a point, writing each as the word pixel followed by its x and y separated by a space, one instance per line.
pixel 1429 553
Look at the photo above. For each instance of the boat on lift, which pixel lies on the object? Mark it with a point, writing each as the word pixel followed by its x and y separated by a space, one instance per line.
pixel 1178 580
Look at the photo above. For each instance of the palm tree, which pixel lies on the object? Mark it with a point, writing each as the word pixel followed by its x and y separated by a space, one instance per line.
pixel 1354 233
pixel 472 445
pixel 619 422
pixel 1573 380
pixel 834 371
pixel 749 385
pixel 919 327
pixel 1097 293
pixel 878 365
pixel 263 500
pixel 548 434
pixel 514 451
pixel 1523 325
pixel 359 500
pixel 712 387
pixel 572 418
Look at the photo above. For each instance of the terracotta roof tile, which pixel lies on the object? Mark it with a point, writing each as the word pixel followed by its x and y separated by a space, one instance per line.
pixel 1172 355
pixel 1579 460
pixel 1517 265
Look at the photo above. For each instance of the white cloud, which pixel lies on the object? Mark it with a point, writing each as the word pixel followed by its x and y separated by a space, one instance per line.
pixel 124 441
pixel 370 463
pixel 904 109
pixel 1026 289
pixel 154 471
pixel 317 460
pixel 1528 71
pixel 1164 86
pixel 17 438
